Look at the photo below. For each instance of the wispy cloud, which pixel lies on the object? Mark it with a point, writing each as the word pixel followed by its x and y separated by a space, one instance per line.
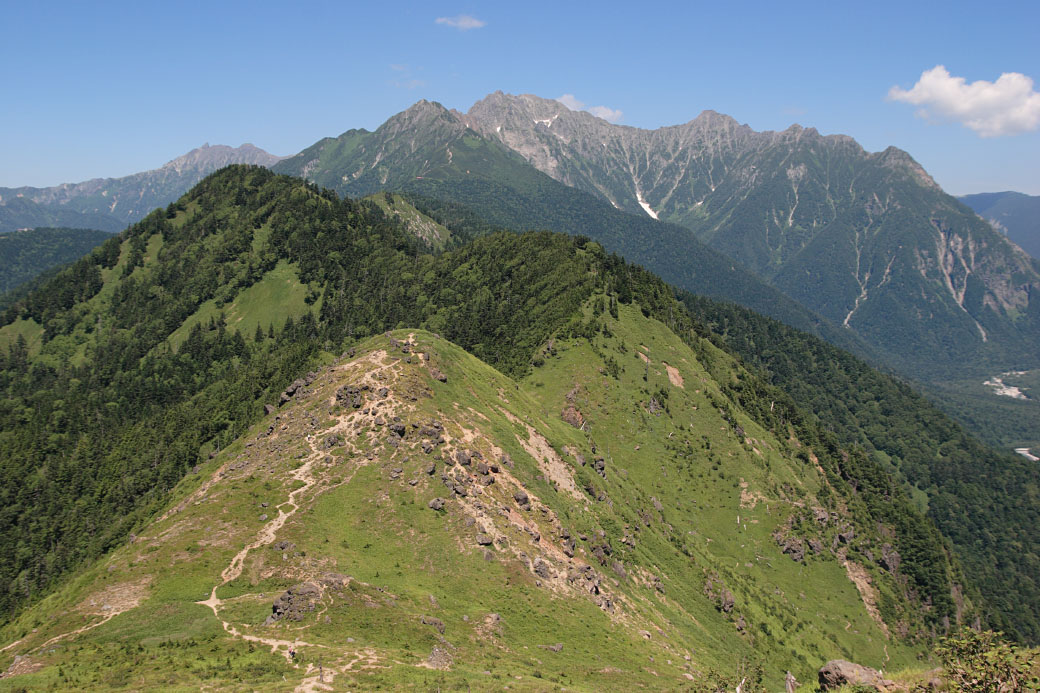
pixel 462 22
pixel 409 83
pixel 571 102
pixel 1008 106
pixel 405 77
pixel 612 115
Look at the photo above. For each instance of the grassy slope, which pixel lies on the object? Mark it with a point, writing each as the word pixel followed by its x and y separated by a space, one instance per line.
pixel 434 235
pixel 279 295
pixel 400 553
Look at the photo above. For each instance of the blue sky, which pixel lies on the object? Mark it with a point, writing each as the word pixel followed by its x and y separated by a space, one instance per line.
pixel 116 88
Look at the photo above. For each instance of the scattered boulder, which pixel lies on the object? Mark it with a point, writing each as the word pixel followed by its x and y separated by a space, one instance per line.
pixel 463 458
pixel 889 558
pixel 291 391
pixel 270 409
pixel 435 622
pixel 572 416
pixel 568 547
pixel 436 504
pixel 542 568
pixel 294 603
pixel 793 547
pixel 522 499
pixel 437 375
pixel 348 395
pixel 600 466
pixel 838 672
pixel 717 592
pixel 815 545
pixel 439 658
pixel 484 539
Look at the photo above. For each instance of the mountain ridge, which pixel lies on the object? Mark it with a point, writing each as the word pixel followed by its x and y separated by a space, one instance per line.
pixel 817 216
pixel 1014 214
pixel 124 200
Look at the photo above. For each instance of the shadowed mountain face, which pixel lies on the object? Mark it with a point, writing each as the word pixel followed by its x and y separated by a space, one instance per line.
pixel 25 254
pixel 110 204
pixel 867 240
pixel 1014 214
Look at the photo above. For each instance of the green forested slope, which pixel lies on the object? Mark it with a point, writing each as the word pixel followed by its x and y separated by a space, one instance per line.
pixel 987 502
pixel 103 418
pixel 25 254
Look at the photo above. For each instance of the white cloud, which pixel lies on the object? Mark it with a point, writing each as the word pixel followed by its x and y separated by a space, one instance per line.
pixel 570 102
pixel 609 114
pixel 1008 106
pixel 462 22
pixel 606 113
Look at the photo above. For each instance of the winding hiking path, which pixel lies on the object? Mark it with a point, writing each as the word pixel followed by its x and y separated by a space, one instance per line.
pixel 267 536
pixel 286 510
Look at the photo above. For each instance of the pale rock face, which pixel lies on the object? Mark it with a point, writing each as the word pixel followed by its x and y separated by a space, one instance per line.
pixel 782 203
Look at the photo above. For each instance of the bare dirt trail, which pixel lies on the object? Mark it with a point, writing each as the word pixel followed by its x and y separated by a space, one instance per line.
pixel 267 536
pixel 268 533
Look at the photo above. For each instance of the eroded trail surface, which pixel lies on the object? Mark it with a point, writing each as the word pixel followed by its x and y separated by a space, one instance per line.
pixel 376 371
pixel 267 536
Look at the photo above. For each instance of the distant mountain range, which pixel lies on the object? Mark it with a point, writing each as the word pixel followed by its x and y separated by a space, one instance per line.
pixel 862 249
pixel 867 241
pixel 1015 214
pixel 110 204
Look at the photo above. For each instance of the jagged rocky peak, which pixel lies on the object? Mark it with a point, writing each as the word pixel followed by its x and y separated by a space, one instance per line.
pixel 714 119
pixel 897 159
pixel 421 112
pixel 211 157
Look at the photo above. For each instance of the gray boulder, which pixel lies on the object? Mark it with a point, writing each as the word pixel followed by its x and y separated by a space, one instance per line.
pixel 838 672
